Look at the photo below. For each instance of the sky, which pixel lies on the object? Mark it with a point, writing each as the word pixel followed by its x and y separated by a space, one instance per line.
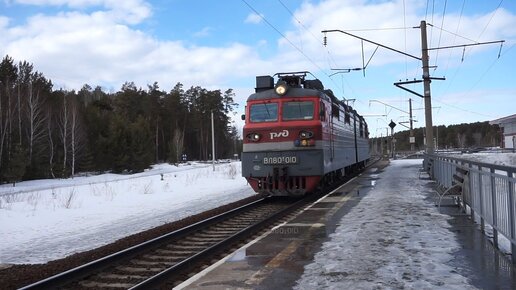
pixel 226 44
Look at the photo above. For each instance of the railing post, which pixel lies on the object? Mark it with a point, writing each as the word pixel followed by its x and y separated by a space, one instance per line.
pixel 511 216
pixel 462 201
pixel 482 222
pixel 495 213
pixel 471 205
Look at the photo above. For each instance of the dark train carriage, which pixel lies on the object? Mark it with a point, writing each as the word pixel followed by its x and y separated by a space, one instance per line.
pixel 297 136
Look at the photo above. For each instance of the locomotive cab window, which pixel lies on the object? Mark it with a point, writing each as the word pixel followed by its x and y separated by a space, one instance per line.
pixel 266 112
pixel 298 110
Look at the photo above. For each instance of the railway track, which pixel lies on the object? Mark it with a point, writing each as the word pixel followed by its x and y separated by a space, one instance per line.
pixel 167 260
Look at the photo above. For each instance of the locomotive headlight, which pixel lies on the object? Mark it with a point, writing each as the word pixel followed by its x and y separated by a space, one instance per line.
pixel 306 134
pixel 281 88
pixel 254 137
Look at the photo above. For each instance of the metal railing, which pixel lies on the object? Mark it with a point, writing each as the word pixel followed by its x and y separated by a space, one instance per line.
pixel 488 192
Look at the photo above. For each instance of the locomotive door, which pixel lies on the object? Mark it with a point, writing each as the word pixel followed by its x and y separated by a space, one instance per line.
pixel 334 113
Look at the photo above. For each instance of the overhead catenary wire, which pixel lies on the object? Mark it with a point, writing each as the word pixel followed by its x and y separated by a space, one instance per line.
pixel 307 30
pixel 330 56
pixel 491 66
pixel 452 33
pixel 455 35
pixel 405 37
pixel 282 35
pixel 474 42
pixel 490 19
pixel 432 21
pixel 440 35
pixel 287 39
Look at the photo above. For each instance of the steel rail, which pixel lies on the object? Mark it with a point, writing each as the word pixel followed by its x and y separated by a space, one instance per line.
pixel 160 278
pixel 102 263
pixel 93 267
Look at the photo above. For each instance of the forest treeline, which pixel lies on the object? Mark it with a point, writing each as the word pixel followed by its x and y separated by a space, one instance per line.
pixel 473 135
pixel 47 133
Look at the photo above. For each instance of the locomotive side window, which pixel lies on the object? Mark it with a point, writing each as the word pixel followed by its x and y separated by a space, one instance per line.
pixel 335 111
pixel 266 112
pixel 322 111
pixel 347 117
pixel 298 110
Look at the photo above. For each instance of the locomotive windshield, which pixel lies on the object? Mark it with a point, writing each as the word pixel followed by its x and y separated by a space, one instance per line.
pixel 266 112
pixel 298 110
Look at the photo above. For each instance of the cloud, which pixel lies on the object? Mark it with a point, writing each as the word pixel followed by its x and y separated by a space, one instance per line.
pixel 101 48
pixel 254 18
pixel 130 11
pixel 379 26
pixel 4 21
pixel 206 31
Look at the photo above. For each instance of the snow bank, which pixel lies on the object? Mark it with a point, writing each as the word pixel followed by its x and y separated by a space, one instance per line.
pixel 50 219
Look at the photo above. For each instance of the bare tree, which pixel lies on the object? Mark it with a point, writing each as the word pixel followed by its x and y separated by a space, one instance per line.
pixel 50 144
pixel 36 119
pixel 76 141
pixel 63 132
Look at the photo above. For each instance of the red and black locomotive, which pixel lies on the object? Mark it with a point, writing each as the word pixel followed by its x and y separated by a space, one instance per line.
pixel 297 136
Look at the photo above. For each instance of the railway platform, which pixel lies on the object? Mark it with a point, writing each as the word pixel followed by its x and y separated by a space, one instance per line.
pixel 379 231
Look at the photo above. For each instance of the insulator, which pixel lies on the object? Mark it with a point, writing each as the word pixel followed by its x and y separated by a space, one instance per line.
pixel 325 40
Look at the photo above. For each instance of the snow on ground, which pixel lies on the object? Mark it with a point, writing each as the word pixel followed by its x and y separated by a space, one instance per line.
pixel 505 159
pixel 393 239
pixel 44 220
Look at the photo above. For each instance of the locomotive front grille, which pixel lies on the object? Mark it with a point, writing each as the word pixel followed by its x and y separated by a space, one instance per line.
pixel 290 183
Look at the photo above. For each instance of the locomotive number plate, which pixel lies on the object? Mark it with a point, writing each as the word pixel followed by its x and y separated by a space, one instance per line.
pixel 280 160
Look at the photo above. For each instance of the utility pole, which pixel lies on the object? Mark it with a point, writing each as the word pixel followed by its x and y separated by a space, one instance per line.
pixel 411 138
pixel 212 142
pixel 429 144
pixel 426 91
pixel 393 141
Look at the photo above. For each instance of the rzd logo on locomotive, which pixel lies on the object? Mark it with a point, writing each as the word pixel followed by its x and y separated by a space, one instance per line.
pixel 283 133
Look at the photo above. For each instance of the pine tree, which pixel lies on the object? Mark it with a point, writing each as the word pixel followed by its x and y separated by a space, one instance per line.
pixel 17 164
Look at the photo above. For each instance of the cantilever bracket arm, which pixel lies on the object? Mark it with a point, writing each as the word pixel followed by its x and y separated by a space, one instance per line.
pixel 375 43
pixel 399 85
pixel 401 123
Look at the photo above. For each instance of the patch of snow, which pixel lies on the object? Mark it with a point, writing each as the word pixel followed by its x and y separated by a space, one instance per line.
pixel 393 239
pixel 44 220
pixel 504 159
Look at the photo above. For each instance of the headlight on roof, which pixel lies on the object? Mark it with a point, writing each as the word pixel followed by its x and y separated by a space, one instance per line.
pixel 281 88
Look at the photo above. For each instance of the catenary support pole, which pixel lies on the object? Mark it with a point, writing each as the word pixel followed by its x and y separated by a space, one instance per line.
pixel 212 142
pixel 411 126
pixel 426 86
